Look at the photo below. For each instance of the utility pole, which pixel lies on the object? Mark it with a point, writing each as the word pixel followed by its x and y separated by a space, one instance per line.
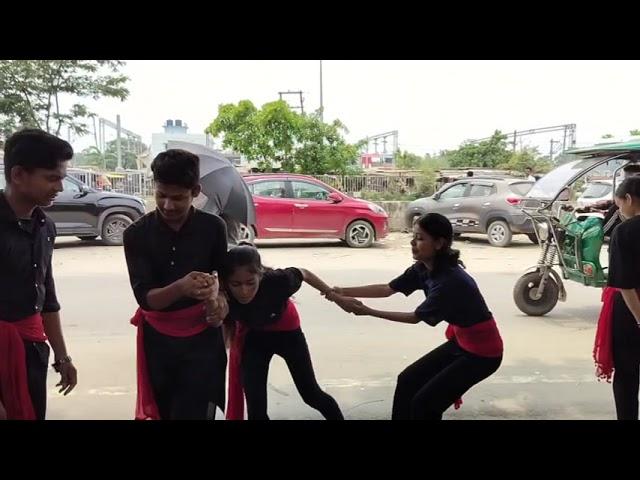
pixel 131 136
pixel 118 149
pixel 321 99
pixel 551 149
pixel 95 132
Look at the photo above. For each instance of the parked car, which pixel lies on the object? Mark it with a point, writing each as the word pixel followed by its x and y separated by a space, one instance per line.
pixel 300 206
pixel 596 191
pixel 86 213
pixel 488 205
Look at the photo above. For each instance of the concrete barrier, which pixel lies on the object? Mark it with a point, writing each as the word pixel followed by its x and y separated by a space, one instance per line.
pixel 396 212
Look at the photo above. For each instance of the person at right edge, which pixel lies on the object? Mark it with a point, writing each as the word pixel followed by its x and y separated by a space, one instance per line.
pixel 617 344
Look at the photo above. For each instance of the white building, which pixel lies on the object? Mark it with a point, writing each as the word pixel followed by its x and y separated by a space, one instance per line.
pixel 177 130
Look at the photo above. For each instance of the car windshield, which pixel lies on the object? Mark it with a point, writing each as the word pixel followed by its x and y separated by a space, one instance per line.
pixel 553 182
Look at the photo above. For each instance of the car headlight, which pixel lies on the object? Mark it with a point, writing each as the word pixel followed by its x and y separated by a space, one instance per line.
pixel 376 208
pixel 543 231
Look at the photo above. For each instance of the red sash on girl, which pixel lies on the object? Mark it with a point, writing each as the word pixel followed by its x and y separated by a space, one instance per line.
pixel 482 339
pixel 290 320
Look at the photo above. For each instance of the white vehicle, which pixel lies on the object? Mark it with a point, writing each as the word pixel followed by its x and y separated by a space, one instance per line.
pixel 596 191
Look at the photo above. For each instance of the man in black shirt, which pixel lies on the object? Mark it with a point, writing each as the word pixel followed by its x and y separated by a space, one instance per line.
pixel 35 163
pixel 173 255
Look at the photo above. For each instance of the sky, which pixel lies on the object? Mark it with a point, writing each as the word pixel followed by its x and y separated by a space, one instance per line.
pixel 434 105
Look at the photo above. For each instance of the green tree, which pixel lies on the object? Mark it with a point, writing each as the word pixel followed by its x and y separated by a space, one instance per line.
pixel 438 162
pixel 90 156
pixel 279 127
pixel 33 92
pixel 407 160
pixel 635 132
pixel 528 157
pixel 300 143
pixel 426 182
pixel 486 154
pixel 108 160
pixel 606 136
pixel 322 148
pixel 239 126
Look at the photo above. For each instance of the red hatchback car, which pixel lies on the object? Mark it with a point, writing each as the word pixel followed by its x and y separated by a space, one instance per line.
pixel 299 206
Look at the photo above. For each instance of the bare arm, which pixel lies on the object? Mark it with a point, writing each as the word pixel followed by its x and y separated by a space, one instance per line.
pixel 633 302
pixel 344 302
pixel 366 291
pixel 217 306
pixel 161 298
pixel 315 281
pixel 53 330
pixel 401 317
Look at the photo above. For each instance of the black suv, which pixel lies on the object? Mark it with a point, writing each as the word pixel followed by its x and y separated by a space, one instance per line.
pixel 86 213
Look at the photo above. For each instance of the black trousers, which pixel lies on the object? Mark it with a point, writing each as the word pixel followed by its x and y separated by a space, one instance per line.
pixel 259 348
pixel 429 386
pixel 37 359
pixel 626 360
pixel 187 374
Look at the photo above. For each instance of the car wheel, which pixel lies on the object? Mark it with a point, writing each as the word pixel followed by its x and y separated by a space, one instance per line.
pixel 499 234
pixel 360 234
pixel 113 229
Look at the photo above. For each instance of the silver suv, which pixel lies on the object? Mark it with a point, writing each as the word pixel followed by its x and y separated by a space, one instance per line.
pixel 486 205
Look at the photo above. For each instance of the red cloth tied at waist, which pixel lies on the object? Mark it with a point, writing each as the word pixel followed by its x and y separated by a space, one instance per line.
pixel 289 320
pixel 603 345
pixel 181 323
pixel 14 388
pixel 482 339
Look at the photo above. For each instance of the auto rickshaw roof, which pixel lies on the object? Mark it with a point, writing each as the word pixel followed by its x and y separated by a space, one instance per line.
pixel 618 147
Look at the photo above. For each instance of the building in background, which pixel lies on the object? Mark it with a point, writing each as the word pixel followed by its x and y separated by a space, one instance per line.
pixel 177 130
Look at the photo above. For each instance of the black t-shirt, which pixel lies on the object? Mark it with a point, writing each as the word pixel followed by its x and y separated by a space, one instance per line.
pixel 452 295
pixel 266 308
pixel 157 256
pixel 624 255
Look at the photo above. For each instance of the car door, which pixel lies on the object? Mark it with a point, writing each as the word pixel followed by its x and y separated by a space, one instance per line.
pixel 479 199
pixel 75 209
pixel 274 211
pixel 448 203
pixel 313 214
